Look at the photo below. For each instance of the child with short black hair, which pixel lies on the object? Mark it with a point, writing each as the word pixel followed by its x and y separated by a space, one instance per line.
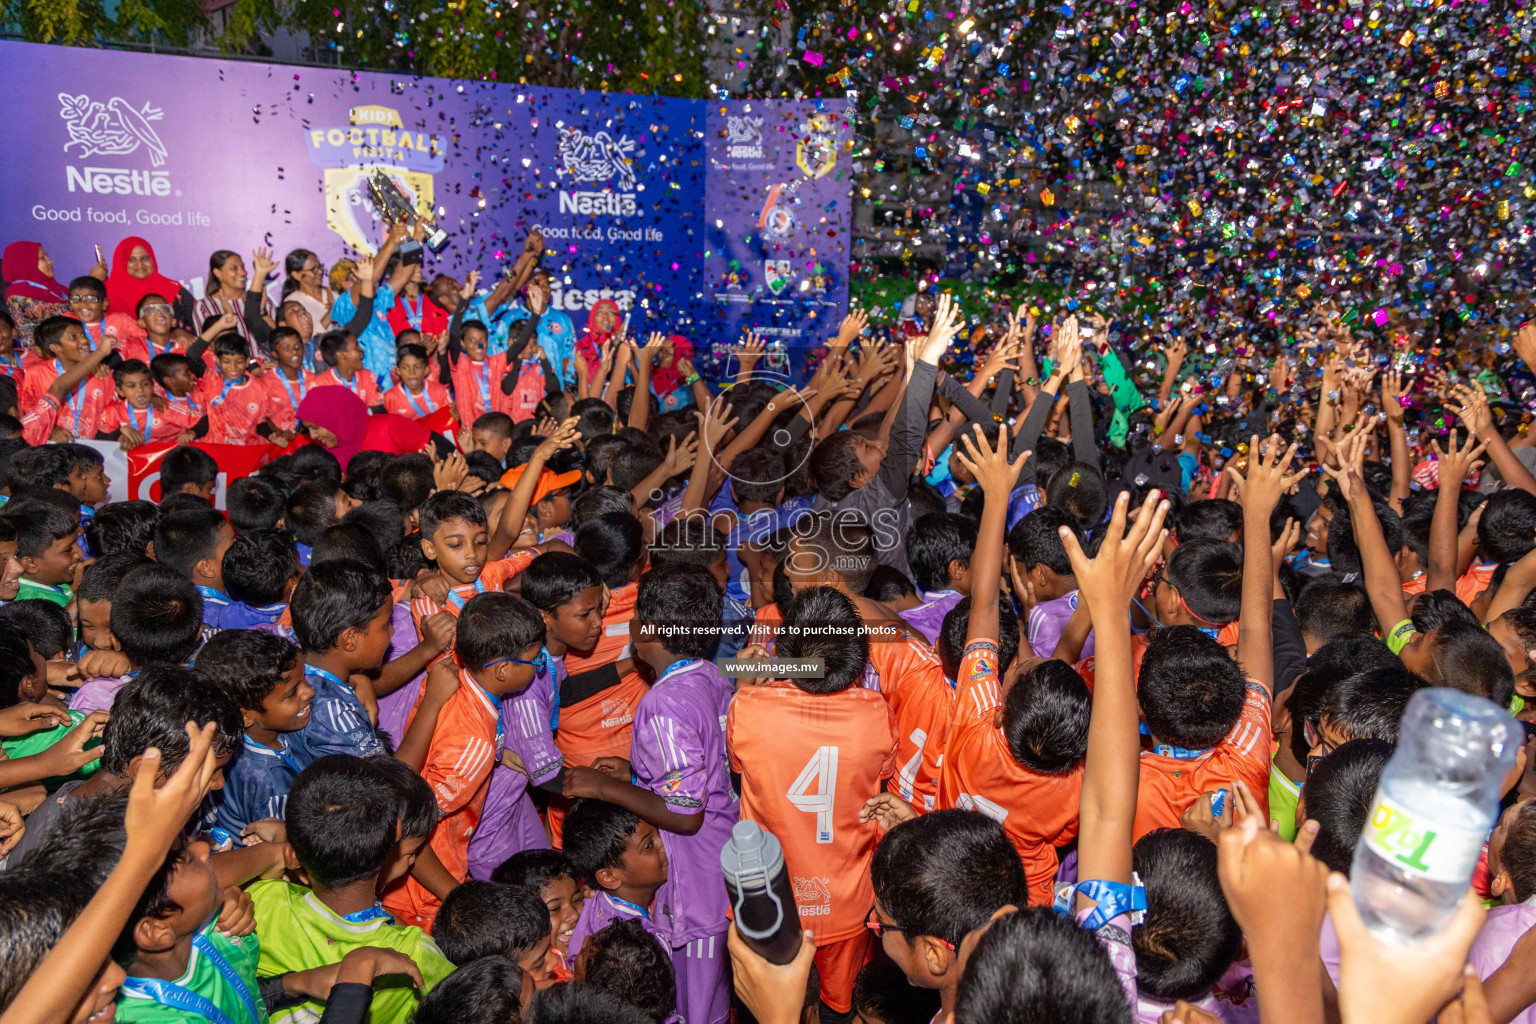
pixel 132 420
pixel 93 601
pixel 172 372
pixel 66 355
pixel 936 878
pixel 194 543
pixel 123 527
pixel 419 393
pixel 343 358
pixel 623 959
pixel 188 470
pixel 882 995
pixel 457 743
pixel 254 503
pixel 343 819
pixel 46 548
pixel 264 675
pixel 342 619
pixel 480 919
pixel 620 855
pixel 548 874
pixel 156 617
pixel 260 570
pixel 1037 556
pixel 455 535
pixel 939 547
pixel 492 434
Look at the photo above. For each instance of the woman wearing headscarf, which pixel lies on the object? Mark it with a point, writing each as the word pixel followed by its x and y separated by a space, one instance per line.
pixel 31 293
pixel 136 274
pixel 603 324
pixel 338 420
pixel 670 377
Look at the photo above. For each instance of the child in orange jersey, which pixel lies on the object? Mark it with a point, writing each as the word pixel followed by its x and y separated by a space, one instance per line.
pixel 811 753
pixel 497 642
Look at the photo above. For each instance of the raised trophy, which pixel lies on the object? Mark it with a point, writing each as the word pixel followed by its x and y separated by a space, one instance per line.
pixel 393 205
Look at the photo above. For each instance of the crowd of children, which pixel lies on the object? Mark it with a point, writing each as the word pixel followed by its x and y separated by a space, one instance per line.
pixel 1075 703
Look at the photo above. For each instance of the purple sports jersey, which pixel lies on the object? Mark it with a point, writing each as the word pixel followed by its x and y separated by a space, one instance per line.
pixel 603 909
pixel 1047 621
pixel 678 752
pixel 395 708
pixel 509 823
pixel 928 617
pixel 99 693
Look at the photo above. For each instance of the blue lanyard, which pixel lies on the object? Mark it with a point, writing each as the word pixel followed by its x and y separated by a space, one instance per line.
pixel 547 666
pixel 168 993
pixel 149 421
pixel 323 674
pixel 76 399
pixel 637 908
pixel 412 401
pixel 457 601
pixel 93 338
pixel 501 716
pixel 1113 899
pixel 372 913
pixel 483 378
pixel 228 384
pixel 192 409
pixel 288 760
pixel 289 388
pixel 413 316
pixel 149 343
pixel 352 387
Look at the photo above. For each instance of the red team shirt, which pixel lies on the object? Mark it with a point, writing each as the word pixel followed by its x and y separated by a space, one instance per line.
pixel 477 387
pixel 403 403
pixel 155 426
pixel 235 408
pixel 362 385
pixel 81 408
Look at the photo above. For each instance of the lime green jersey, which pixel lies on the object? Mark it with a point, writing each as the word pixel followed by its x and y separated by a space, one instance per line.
pixel 37 742
pixel 202 979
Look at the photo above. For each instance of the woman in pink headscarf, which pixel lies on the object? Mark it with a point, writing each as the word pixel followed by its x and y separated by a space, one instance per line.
pixel 136 274
pixel 338 420
pixel 603 324
pixel 31 293
pixel 670 374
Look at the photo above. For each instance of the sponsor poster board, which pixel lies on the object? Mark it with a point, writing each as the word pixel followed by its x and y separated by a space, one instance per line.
pixel 694 216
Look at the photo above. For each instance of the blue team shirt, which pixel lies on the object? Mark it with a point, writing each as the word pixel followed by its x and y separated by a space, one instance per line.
pixel 257 781
pixel 338 722
pixel 239 615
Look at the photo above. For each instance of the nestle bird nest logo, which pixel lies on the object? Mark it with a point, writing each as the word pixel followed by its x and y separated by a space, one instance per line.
pixel 744 136
pixel 374 138
pixel 598 159
pixel 114 128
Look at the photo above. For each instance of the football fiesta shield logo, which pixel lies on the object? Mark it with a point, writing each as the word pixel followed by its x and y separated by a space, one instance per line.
pixel 374 138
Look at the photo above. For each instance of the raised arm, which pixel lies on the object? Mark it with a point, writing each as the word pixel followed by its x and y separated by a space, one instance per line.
pixel 1111 771
pixel 1455 463
pixel 1471 404
pixel 511 522
pixel 1265 482
pixel 911 424
pixel 996 475
pixel 1392 395
pixel 1382 584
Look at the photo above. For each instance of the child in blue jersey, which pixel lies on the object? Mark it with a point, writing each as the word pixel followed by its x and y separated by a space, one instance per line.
pixel 193 542
pixel 264 675
pixel 261 569
pixel 342 619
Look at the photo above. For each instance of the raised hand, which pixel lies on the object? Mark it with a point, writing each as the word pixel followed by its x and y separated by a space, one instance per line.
pixel 714 423
pixel 263 264
pixel 156 815
pixel 1111 578
pixel 1470 403
pixel 564 436
pixel 1393 391
pixel 852 326
pixel 947 323
pixel 750 350
pixel 1525 343
pixel 989 464
pixel 1176 351
pixel 646 353
pixel 680 455
pixel 1266 479
pixel 1458 462
pixel 471 283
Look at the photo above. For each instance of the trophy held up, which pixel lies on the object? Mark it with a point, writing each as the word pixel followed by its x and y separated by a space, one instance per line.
pixel 393 205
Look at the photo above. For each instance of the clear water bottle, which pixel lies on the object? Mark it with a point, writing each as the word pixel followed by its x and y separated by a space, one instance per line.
pixel 1438 799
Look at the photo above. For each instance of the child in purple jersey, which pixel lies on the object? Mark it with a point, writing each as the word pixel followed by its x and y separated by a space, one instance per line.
pixel 939 547
pixel 1039 559
pixel 622 858
pixel 683 779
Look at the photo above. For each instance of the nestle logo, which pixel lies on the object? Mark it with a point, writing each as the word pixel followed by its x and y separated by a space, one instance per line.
pixel 613 204
pixel 745 152
pixel 118 181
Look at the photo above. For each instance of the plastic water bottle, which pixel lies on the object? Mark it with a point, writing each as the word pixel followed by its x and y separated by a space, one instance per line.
pixel 1438 799
pixel 761 896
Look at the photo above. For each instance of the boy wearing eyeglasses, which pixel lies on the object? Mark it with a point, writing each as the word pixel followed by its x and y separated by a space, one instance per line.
pixel 498 640
pixel 88 302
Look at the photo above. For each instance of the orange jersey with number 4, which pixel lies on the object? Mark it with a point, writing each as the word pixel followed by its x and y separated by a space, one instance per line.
pixel 808 763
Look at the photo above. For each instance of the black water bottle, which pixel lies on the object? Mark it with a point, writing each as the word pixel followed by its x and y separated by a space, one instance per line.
pixel 762 899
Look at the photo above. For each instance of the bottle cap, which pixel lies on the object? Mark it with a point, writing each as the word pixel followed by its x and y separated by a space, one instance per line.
pixel 751 857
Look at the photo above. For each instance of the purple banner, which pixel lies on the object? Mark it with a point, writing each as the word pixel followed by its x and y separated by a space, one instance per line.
pixel 697 217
